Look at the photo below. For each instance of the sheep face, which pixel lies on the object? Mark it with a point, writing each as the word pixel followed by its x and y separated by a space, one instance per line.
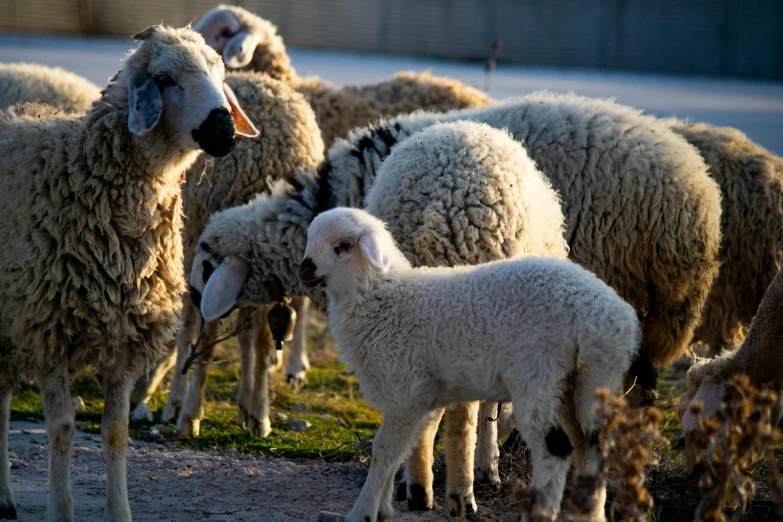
pixel 345 248
pixel 176 82
pixel 228 35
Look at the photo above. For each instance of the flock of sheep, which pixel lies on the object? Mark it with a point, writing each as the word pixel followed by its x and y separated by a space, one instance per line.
pixel 603 243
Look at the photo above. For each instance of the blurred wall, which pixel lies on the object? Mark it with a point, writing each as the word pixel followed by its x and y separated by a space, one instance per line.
pixel 722 37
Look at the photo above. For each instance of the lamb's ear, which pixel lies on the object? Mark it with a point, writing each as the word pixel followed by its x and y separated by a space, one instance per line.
pixel 145 105
pixel 239 49
pixel 223 288
pixel 371 246
pixel 242 123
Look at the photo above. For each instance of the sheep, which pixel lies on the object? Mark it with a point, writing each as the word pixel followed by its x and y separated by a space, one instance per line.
pixel 290 141
pixel 250 42
pixel 657 248
pixel 92 256
pixel 751 182
pixel 758 356
pixel 542 333
pixel 27 82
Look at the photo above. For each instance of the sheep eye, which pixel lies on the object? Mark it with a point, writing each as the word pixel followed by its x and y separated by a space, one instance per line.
pixel 163 80
pixel 344 246
pixel 226 33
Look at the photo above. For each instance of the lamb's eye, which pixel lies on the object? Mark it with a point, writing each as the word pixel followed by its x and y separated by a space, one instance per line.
pixel 344 246
pixel 163 80
pixel 226 33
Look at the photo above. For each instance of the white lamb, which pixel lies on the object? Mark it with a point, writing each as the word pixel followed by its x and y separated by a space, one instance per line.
pixel 542 333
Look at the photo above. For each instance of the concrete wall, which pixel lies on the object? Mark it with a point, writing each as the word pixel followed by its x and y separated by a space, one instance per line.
pixel 720 37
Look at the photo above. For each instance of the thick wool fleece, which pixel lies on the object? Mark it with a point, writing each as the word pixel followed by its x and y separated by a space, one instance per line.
pixel 91 218
pixel 465 193
pixel 27 82
pixel 641 210
pixel 751 182
pixel 289 141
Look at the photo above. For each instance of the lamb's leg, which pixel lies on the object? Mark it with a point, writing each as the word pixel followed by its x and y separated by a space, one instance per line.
pixel 393 441
pixel 460 451
pixel 258 407
pixel 417 482
pixel 191 322
pixel 487 452
pixel 149 382
pixel 297 357
pixel 189 422
pixel 117 382
pixel 550 450
pixel 58 409
pixel 247 338
pixel 7 507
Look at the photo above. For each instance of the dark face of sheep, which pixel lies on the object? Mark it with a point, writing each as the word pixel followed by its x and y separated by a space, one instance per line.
pixel 177 80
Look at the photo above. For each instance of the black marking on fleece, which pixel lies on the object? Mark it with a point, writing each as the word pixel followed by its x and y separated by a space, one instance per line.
pixel 323 199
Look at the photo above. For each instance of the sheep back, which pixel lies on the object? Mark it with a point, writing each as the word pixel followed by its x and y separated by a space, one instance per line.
pixel 26 82
pixel 465 193
pixel 751 182
pixel 289 140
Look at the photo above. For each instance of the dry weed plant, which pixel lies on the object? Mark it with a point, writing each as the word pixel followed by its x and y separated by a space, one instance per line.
pixel 727 443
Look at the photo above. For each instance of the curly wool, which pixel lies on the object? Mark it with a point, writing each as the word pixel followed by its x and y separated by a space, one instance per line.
pixel 751 182
pixel 290 140
pixel 465 193
pixel 27 82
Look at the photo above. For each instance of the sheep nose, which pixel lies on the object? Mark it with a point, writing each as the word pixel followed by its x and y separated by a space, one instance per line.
pixel 307 274
pixel 217 135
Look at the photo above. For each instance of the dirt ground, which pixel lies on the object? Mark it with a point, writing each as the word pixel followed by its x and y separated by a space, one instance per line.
pixel 170 483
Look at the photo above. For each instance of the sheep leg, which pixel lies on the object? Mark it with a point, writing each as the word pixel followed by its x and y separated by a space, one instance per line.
pixel 7 507
pixel 487 452
pixel 550 449
pixel 149 382
pixel 189 422
pixel 191 322
pixel 393 441
pixel 417 483
pixel 117 384
pixel 258 410
pixel 56 397
pixel 246 337
pixel 461 420
pixel 297 357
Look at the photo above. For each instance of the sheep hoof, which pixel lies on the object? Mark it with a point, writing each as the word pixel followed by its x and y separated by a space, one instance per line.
pixel 296 381
pixel 188 427
pixel 402 492
pixel 488 478
pixel 461 504
pixel 418 499
pixel 7 511
pixel 261 427
pixel 242 417
pixel 142 412
pixel 170 413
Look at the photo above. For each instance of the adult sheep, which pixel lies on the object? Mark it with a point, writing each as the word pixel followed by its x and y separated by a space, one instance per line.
pixel 27 82
pixel 641 211
pixel 247 41
pixel 92 254
pixel 456 194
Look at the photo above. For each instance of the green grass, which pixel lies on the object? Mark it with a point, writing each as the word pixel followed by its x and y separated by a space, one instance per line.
pixel 346 435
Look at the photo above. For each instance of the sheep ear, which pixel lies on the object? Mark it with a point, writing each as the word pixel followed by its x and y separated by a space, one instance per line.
pixel 145 105
pixel 223 288
pixel 370 246
pixel 240 49
pixel 146 32
pixel 242 123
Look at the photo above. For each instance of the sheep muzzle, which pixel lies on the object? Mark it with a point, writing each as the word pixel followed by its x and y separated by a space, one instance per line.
pixel 307 274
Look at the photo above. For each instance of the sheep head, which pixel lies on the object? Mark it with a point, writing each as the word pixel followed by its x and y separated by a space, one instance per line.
pixel 234 33
pixel 174 83
pixel 347 247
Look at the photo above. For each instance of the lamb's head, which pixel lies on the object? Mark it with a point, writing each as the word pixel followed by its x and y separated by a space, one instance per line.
pixel 174 83
pixel 235 33
pixel 347 248
pixel 706 384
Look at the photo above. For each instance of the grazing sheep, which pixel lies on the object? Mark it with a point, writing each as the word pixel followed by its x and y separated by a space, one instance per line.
pixel 92 254
pixel 27 82
pixel 641 211
pixel 248 41
pixel 541 333
pixel 758 357
pixel 290 140
pixel 455 194
pixel 751 181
